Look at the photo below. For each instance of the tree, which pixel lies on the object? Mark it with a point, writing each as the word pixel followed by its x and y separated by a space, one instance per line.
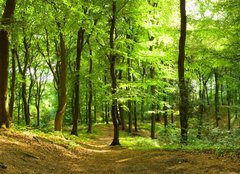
pixel 4 58
pixel 183 106
pixel 112 61
pixel 62 82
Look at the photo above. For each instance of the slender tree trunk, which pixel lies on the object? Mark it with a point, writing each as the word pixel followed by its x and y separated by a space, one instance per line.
pixel 23 71
pixel 183 108
pixel 216 98
pixel 106 107
pixel 12 98
pixel 172 115
pixel 165 112
pixel 40 87
pixel 112 60
pixel 19 103
pixel 229 109
pixel 142 110
pixel 76 112
pixel 235 104
pixel 142 102
pixel 107 113
pixel 121 111
pixel 201 109
pixel 86 104
pixel 90 93
pixel 95 109
pixel 135 115
pixel 62 82
pixel 129 101
pixel 25 103
pixel 153 117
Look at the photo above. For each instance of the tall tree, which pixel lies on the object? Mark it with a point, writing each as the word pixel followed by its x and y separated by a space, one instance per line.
pixel 4 59
pixel 62 82
pixel 112 61
pixel 183 106
pixel 76 103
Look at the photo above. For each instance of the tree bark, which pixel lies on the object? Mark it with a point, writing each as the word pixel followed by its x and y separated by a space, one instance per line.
pixel 112 60
pixel 142 101
pixel 129 101
pixel 76 112
pixel 201 108
pixel 4 59
pixel 121 111
pixel 183 108
pixel 229 96
pixel 12 88
pixel 23 72
pixel 216 98
pixel 153 115
pixel 90 92
pixel 135 115
pixel 62 82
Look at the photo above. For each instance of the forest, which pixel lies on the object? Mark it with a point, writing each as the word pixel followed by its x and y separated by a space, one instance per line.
pixel 121 76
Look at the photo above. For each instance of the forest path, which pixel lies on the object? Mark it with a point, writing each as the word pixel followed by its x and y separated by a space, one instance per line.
pixel 21 153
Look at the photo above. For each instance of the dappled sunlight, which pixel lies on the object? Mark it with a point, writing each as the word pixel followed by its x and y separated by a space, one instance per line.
pixel 124 160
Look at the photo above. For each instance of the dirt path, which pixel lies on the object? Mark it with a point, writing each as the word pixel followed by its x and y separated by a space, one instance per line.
pixel 26 154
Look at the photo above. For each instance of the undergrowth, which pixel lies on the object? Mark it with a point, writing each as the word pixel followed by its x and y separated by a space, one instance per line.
pixel 213 139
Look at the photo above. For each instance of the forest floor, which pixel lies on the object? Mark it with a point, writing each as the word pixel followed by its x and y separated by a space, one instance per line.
pixel 21 153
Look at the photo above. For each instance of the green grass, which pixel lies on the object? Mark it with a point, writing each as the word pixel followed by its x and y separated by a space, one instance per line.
pixel 219 141
pixel 61 138
pixel 214 139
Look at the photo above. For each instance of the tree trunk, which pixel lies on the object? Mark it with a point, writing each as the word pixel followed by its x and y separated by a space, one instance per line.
pixel 4 59
pixel 62 82
pixel 76 112
pixel 90 93
pixel 229 110
pixel 183 108
pixel 106 107
pixel 201 109
pixel 25 103
pixel 129 101
pixel 12 88
pixel 153 117
pixel 19 103
pixel 172 115
pixel 106 113
pixel 165 112
pixel 95 108
pixel 23 72
pixel 135 115
pixel 121 111
pixel 216 98
pixel 142 102
pixel 112 60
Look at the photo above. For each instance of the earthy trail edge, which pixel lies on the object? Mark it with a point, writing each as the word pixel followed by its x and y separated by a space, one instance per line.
pixel 29 154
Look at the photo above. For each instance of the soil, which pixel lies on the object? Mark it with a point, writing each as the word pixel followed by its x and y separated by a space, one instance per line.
pixel 26 154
